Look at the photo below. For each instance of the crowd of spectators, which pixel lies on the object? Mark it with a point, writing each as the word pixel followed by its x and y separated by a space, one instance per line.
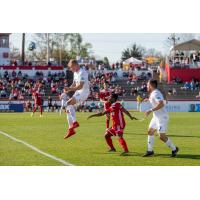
pixel 184 61
pixel 192 85
pixel 16 86
pixel 20 86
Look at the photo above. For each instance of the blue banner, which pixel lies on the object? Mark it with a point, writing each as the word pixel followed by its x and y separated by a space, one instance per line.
pixel 194 107
pixel 11 107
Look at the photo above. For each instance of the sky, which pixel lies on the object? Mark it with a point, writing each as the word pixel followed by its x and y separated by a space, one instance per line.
pixel 111 45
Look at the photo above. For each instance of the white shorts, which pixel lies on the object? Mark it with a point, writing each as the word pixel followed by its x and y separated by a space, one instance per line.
pixel 160 124
pixel 63 103
pixel 80 97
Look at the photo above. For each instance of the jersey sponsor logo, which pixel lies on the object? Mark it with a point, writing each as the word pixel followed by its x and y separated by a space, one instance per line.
pixel 82 79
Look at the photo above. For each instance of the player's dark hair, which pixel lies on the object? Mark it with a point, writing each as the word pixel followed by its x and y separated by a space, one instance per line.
pixel 114 96
pixel 153 83
pixel 73 62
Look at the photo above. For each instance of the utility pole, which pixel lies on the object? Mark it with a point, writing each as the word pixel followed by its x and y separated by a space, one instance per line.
pixel 23 48
pixel 47 48
pixel 173 39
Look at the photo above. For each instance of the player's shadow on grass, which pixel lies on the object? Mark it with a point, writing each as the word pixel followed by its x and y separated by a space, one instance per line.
pixel 189 136
pixel 181 136
pixel 188 156
pixel 118 153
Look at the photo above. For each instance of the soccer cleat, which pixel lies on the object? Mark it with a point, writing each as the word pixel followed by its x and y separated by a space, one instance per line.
pixel 69 133
pixel 125 153
pixel 41 115
pixel 148 153
pixel 174 153
pixel 112 150
pixel 31 114
pixel 75 125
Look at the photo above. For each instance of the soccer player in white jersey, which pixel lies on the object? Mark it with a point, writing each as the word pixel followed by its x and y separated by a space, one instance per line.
pixel 63 98
pixel 159 121
pixel 81 88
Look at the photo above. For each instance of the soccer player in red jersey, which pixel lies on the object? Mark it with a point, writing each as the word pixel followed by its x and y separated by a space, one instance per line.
pixel 38 101
pixel 118 123
pixel 104 95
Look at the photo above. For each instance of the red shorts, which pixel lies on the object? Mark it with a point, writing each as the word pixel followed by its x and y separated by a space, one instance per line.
pixel 107 105
pixel 115 130
pixel 38 103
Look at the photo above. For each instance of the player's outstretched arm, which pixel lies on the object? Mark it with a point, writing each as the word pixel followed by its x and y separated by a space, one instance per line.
pixel 128 114
pixel 97 115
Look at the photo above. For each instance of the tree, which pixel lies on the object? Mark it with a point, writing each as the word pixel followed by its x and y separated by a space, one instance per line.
pixel 153 52
pixel 134 51
pixel 106 61
pixel 61 46
pixel 15 53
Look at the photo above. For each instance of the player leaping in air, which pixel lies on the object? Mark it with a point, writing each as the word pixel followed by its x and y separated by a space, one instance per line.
pixel 80 86
pixel 104 95
pixel 118 123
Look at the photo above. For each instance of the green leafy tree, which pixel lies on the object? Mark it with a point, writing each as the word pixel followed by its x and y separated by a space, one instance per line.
pixel 134 51
pixel 64 45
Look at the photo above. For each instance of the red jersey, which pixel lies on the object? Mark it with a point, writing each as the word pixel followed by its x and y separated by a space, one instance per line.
pixel 104 94
pixel 117 115
pixel 38 98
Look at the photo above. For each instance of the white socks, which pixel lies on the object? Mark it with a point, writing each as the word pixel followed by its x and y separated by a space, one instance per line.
pixel 170 145
pixel 72 112
pixel 69 119
pixel 150 142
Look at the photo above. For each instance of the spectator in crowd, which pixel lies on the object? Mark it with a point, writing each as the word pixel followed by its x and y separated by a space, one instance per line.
pixel 139 103
pixel 28 106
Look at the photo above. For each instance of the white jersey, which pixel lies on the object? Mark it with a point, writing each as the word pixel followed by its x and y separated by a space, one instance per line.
pixel 64 97
pixel 82 76
pixel 154 98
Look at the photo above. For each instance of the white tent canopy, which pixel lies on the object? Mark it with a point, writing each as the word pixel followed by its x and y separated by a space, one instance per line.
pixel 191 45
pixel 133 61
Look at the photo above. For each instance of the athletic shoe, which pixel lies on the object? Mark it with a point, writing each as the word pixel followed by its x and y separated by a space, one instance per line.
pixel 125 153
pixel 75 125
pixel 31 114
pixel 174 153
pixel 112 150
pixel 69 133
pixel 148 153
pixel 41 115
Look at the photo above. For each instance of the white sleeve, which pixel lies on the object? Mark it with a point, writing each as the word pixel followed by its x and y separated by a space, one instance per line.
pixel 158 97
pixel 82 77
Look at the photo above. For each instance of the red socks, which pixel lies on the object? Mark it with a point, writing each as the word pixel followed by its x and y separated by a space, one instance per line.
pixel 41 110
pixel 35 108
pixel 109 141
pixel 123 144
pixel 121 141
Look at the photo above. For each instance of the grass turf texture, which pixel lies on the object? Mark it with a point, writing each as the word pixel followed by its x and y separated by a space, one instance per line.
pixel 88 147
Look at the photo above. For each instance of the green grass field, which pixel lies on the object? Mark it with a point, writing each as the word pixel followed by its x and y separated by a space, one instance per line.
pixel 87 147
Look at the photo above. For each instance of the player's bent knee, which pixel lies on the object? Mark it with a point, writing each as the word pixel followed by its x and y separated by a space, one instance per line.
pixel 120 135
pixel 71 101
pixel 163 137
pixel 107 135
pixel 151 131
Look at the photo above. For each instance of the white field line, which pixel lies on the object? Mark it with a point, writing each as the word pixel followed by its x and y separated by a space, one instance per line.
pixel 36 149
